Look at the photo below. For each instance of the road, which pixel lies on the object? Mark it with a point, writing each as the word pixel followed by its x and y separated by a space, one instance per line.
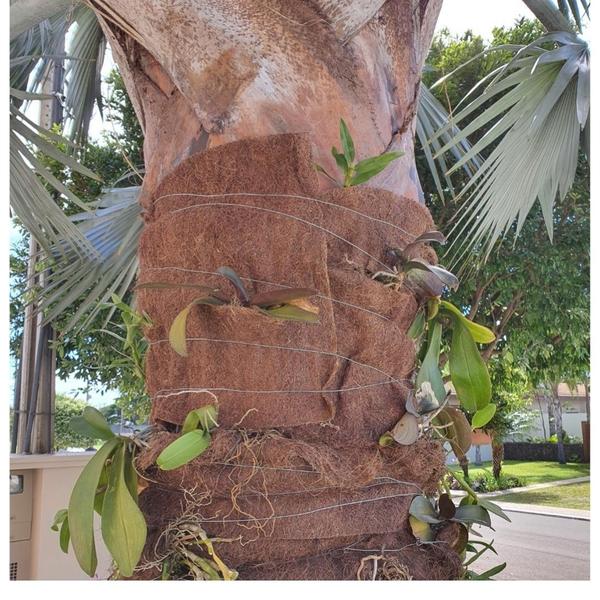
pixel 538 547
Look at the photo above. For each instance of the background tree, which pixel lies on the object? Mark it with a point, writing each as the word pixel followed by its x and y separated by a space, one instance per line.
pixel 64 436
pixel 530 290
pixel 511 393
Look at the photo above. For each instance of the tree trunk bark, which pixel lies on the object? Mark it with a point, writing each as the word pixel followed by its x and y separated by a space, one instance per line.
pixel 497 455
pixel 542 420
pixel 463 461
pixel 551 414
pixel 557 411
pixel 478 455
pixel 204 75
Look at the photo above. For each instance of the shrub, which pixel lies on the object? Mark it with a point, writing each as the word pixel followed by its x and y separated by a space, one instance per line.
pixel 487 483
pixel 64 436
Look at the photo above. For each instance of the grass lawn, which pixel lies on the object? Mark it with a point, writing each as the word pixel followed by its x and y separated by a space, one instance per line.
pixel 539 471
pixel 576 495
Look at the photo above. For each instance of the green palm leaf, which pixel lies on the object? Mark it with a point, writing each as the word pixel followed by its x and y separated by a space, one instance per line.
pixel 534 109
pixel 85 55
pixel 112 228
pixel 30 200
pixel 431 117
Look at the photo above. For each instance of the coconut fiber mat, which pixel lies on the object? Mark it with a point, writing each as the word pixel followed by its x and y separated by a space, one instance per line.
pixel 294 480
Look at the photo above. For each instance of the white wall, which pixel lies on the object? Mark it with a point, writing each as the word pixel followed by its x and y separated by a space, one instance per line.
pixel 571 424
pixel 53 478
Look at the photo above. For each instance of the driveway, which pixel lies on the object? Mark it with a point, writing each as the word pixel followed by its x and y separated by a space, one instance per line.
pixel 537 547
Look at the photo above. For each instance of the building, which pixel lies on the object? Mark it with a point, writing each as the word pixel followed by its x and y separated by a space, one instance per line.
pixel 574 412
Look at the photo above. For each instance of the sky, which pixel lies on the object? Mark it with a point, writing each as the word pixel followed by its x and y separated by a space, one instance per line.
pixel 480 16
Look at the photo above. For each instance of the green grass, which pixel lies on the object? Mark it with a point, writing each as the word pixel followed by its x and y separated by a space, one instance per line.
pixel 539 471
pixel 576 495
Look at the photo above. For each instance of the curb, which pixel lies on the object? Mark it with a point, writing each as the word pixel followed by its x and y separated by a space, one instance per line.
pixel 536 509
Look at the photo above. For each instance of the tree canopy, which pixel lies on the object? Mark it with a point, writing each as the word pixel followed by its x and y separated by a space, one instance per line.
pixel 533 292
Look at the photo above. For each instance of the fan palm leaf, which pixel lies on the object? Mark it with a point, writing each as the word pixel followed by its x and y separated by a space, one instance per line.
pixel 533 111
pixel 85 55
pixel 112 228
pixel 30 199
pixel 431 117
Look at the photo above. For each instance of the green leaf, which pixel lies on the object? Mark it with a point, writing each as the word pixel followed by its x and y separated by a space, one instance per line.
pixel 478 553
pixel 421 530
pixel 489 573
pixel 205 416
pixel 432 308
pixel 430 371
pixel 320 169
pixel 493 508
pixel 468 372
pixel 130 474
pixel 431 116
pixel 483 416
pixel 480 334
pixel 183 449
pixel 101 490
pixel 369 167
pixel 81 507
pixel 92 424
pixel 417 327
pixel 289 312
pixel 386 440
pixel 473 513
pixel 277 297
pixel 123 525
pixel 177 332
pixel 59 517
pixel 64 536
pixel 422 509
pixel 347 143
pixel 340 160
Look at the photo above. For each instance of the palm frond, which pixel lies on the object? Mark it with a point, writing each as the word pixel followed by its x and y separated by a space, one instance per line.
pixel 85 56
pixel 32 51
pixel 27 14
pixel 113 229
pixel 30 200
pixel 431 117
pixel 533 112
pixel 559 16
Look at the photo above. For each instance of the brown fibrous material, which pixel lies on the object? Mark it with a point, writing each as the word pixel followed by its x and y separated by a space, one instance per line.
pixel 294 474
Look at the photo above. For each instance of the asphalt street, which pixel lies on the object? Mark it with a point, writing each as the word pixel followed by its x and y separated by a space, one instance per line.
pixel 537 547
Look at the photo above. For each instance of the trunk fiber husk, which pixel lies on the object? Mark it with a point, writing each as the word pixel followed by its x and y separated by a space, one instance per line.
pixel 294 474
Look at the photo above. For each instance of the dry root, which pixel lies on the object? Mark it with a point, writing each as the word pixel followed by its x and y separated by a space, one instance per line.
pixel 379 567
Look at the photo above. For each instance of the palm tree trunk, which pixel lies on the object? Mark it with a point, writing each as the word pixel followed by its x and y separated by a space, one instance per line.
pixel 205 76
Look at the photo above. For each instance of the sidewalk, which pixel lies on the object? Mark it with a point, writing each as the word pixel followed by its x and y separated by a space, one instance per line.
pixel 538 509
pixel 547 511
